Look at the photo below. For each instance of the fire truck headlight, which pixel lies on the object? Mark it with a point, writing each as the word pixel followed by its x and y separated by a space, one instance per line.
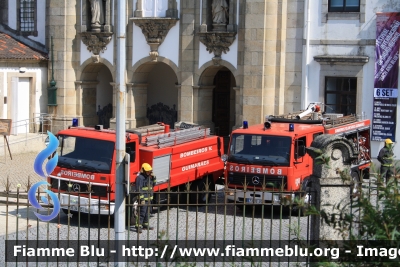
pixel 276 198
pixel 230 192
pixel 104 207
pixel 224 157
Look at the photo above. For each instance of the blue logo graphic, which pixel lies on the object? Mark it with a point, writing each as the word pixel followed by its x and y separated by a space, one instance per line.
pixel 50 166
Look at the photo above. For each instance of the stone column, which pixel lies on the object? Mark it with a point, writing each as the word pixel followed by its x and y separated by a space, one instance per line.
pixel 139 105
pixel 232 16
pixel 79 103
pixel 202 106
pixel 188 56
pixel 114 101
pixel 129 102
pixel 196 104
pixel 238 106
pixel 113 122
pixel 263 58
pixel 331 180
pixel 63 17
pixel 185 103
pixel 139 9
pixel 204 10
pixel 107 19
pixel 88 103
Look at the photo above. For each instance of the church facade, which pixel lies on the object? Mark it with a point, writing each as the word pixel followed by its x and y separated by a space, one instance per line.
pixel 210 62
pixel 214 63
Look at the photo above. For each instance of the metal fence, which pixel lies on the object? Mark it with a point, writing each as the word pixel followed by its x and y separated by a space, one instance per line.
pixel 178 223
pixel 229 232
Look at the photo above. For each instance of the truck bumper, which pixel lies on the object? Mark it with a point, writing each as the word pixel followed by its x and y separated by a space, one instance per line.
pixel 259 197
pixel 86 205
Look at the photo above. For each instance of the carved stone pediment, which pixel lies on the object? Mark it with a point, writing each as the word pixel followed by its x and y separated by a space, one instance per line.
pixel 155 30
pixel 96 42
pixel 217 42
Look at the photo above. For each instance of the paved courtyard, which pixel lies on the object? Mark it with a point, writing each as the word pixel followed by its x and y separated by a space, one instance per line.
pixel 18 171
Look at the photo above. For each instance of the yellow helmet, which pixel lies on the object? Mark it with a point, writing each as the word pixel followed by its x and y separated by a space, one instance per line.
pixel 388 141
pixel 146 167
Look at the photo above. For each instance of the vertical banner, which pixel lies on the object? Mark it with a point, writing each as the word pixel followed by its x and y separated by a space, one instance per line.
pixel 386 76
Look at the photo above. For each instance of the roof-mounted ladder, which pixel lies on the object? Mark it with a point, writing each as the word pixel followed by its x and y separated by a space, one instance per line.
pixel 178 137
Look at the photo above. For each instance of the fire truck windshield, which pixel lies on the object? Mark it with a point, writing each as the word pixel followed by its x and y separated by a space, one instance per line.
pixel 264 150
pixel 90 155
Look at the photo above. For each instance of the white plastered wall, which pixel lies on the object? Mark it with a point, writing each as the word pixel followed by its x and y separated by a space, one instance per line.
pixel 353 32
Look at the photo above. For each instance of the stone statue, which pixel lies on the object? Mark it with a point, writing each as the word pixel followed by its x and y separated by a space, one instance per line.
pixel 220 11
pixel 96 7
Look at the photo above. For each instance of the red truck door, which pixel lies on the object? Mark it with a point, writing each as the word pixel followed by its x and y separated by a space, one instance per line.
pixel 301 164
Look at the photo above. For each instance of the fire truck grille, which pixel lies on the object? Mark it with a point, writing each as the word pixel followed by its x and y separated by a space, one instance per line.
pixel 252 179
pixel 75 187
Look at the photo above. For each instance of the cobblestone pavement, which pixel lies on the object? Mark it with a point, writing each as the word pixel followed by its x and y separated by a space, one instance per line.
pixel 18 171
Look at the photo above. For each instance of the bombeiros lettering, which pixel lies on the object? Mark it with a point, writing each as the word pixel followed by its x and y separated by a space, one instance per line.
pixel 195 151
pixel 256 170
pixel 78 175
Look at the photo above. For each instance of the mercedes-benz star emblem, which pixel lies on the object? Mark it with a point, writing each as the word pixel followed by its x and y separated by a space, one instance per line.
pixel 255 180
pixel 76 187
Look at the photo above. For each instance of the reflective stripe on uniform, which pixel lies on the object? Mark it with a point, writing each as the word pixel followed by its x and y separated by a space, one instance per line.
pixel 147 188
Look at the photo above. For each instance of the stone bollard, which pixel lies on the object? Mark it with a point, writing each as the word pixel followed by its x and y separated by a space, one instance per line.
pixel 332 157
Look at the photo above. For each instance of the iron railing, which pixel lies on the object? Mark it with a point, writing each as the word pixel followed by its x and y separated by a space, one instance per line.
pixel 181 225
pixel 180 221
pixel 39 123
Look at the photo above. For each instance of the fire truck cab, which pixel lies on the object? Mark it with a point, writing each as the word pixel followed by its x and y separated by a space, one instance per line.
pixel 267 163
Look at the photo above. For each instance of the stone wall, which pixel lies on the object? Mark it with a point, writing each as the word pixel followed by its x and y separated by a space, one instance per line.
pixel 266 77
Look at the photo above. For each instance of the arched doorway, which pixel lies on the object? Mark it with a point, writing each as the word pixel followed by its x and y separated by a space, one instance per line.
pixel 153 95
pixel 95 97
pixel 221 111
pixel 215 100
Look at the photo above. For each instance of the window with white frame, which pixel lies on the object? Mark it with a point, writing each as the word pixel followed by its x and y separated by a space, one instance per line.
pixel 27 19
pixel 344 6
pixel 341 95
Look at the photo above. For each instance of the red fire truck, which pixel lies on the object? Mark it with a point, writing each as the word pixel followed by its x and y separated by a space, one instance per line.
pixel 85 173
pixel 272 156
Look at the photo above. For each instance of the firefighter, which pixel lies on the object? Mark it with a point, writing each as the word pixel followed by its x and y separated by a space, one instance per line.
pixel 144 189
pixel 385 157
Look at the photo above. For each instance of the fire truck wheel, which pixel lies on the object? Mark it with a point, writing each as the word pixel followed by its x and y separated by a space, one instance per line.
pixel 200 193
pixel 356 186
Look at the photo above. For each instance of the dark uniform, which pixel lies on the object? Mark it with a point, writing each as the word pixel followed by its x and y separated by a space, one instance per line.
pixel 385 157
pixel 153 183
pixel 144 189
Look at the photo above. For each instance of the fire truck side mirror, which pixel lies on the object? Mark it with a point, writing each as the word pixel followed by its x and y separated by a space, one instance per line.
pixel 127 181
